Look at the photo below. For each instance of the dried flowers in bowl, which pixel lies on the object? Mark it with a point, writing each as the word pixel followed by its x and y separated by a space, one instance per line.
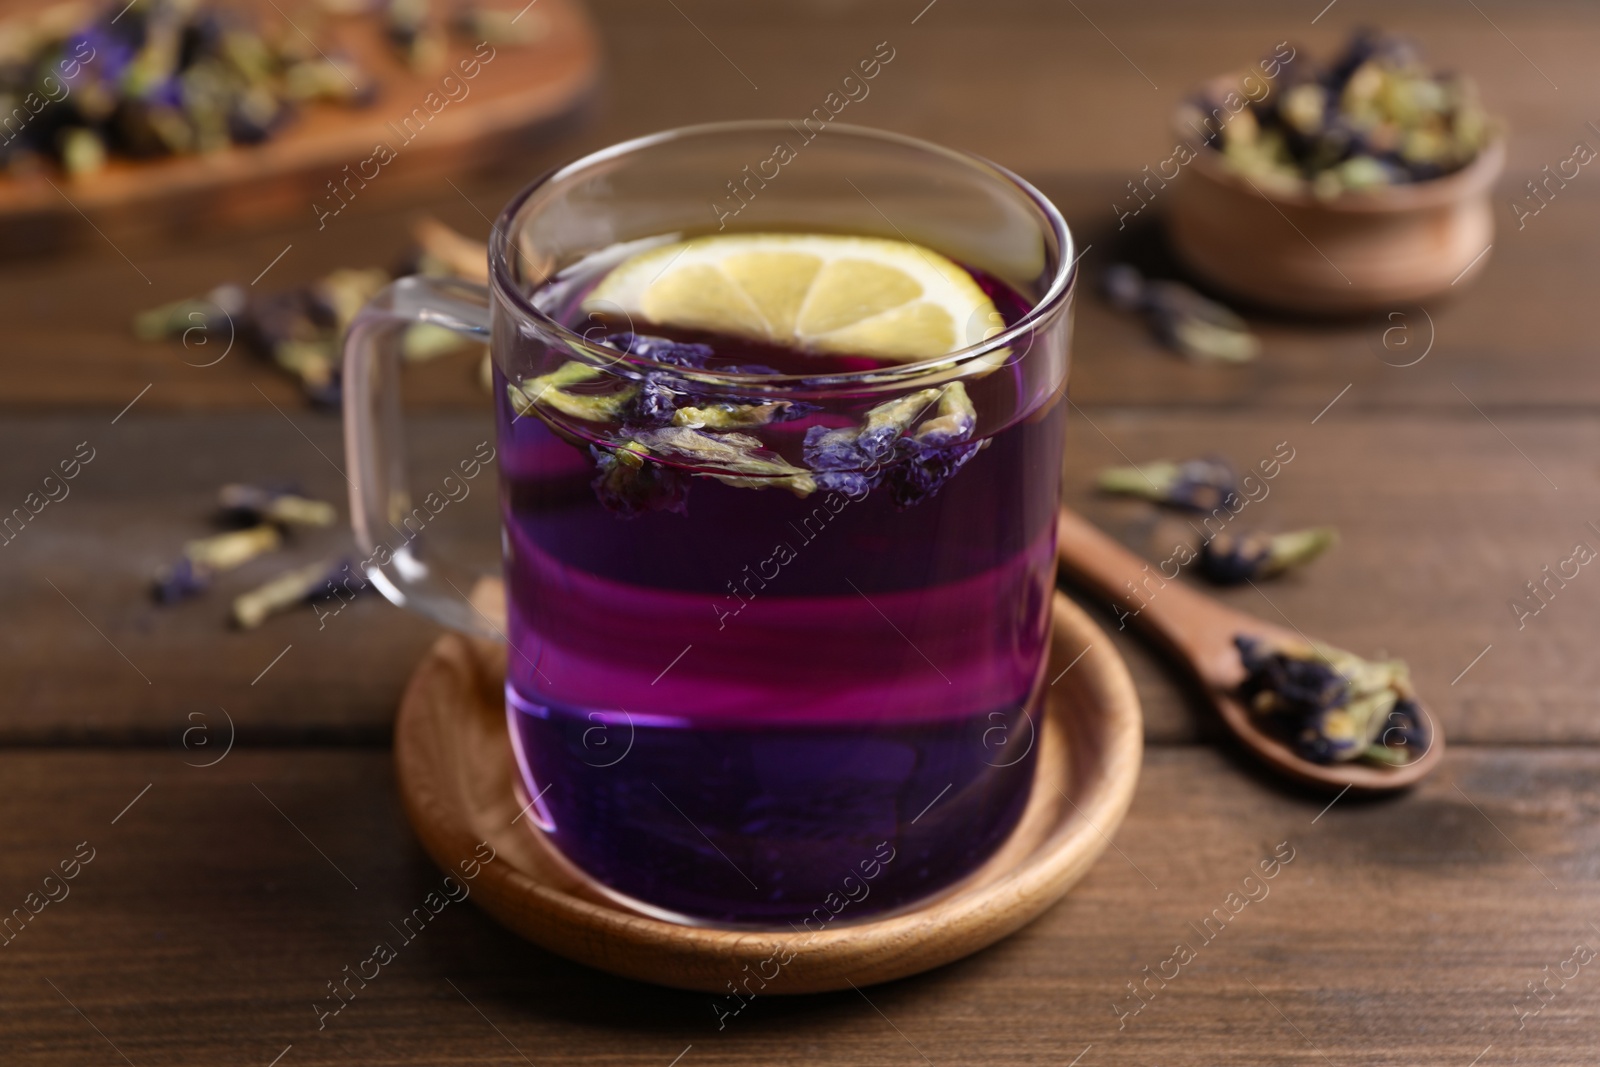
pixel 1346 187
pixel 1373 116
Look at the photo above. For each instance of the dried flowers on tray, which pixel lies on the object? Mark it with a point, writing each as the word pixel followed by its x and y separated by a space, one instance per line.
pixel 84 84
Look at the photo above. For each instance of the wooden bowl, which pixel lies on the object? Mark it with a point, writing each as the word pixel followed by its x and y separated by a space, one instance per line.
pixel 1364 252
pixel 457 781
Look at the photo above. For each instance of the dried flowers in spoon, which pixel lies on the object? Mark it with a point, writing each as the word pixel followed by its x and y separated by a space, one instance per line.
pixel 1181 318
pixel 1194 484
pixel 1229 559
pixel 1332 706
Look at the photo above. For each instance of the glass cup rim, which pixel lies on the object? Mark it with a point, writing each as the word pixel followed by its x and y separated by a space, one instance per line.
pixel 1062 282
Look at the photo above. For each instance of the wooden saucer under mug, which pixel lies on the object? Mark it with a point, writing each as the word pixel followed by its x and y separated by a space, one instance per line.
pixel 459 784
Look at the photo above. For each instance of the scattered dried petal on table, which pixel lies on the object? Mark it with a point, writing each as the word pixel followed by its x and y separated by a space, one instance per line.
pixel 275 505
pixel 301 585
pixel 1229 559
pixel 1195 484
pixel 1181 318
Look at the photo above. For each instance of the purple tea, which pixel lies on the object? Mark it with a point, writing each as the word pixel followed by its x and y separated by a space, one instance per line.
pixel 754 705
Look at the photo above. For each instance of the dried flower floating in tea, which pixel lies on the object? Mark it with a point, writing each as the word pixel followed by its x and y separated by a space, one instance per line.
pixel 629 485
pixel 1229 559
pixel 1332 706
pixel 1181 318
pixel 662 418
pixel 1195 484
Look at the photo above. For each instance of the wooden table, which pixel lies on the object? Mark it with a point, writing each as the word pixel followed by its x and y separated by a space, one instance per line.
pixel 220 899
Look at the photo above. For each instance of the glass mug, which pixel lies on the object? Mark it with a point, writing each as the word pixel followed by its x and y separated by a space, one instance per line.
pixel 753 676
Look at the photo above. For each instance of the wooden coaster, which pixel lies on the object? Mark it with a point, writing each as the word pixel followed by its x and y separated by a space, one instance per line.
pixel 459 784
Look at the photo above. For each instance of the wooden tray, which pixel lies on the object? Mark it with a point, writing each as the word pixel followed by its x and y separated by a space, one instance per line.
pixel 457 781
pixel 524 89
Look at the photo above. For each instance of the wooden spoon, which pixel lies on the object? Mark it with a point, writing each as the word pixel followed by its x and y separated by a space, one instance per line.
pixel 1200 632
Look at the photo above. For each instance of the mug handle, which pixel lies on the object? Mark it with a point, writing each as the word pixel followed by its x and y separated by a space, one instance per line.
pixel 375 450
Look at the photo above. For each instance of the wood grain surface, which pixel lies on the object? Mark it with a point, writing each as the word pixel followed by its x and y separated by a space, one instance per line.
pixel 1409 931
pixel 219 905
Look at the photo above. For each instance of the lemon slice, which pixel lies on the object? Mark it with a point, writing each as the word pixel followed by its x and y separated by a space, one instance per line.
pixel 863 296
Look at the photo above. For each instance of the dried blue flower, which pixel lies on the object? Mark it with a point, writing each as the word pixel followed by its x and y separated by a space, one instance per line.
pixel 629 485
pixel 661 350
pixel 1181 318
pixel 689 355
pixel 953 421
pixel 853 484
pixel 1227 559
pixel 1293 686
pixel 729 416
pixel 655 404
pixel 553 391
pixel 1373 117
pixel 161 77
pixel 885 423
pixel 1404 734
pixel 1196 484
pixel 282 506
pixel 734 458
pixel 322 580
pixel 1331 706
pixel 922 469
pixel 180 581
pixel 206 557
pixel 225 551
pixel 854 459
pixel 828 449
